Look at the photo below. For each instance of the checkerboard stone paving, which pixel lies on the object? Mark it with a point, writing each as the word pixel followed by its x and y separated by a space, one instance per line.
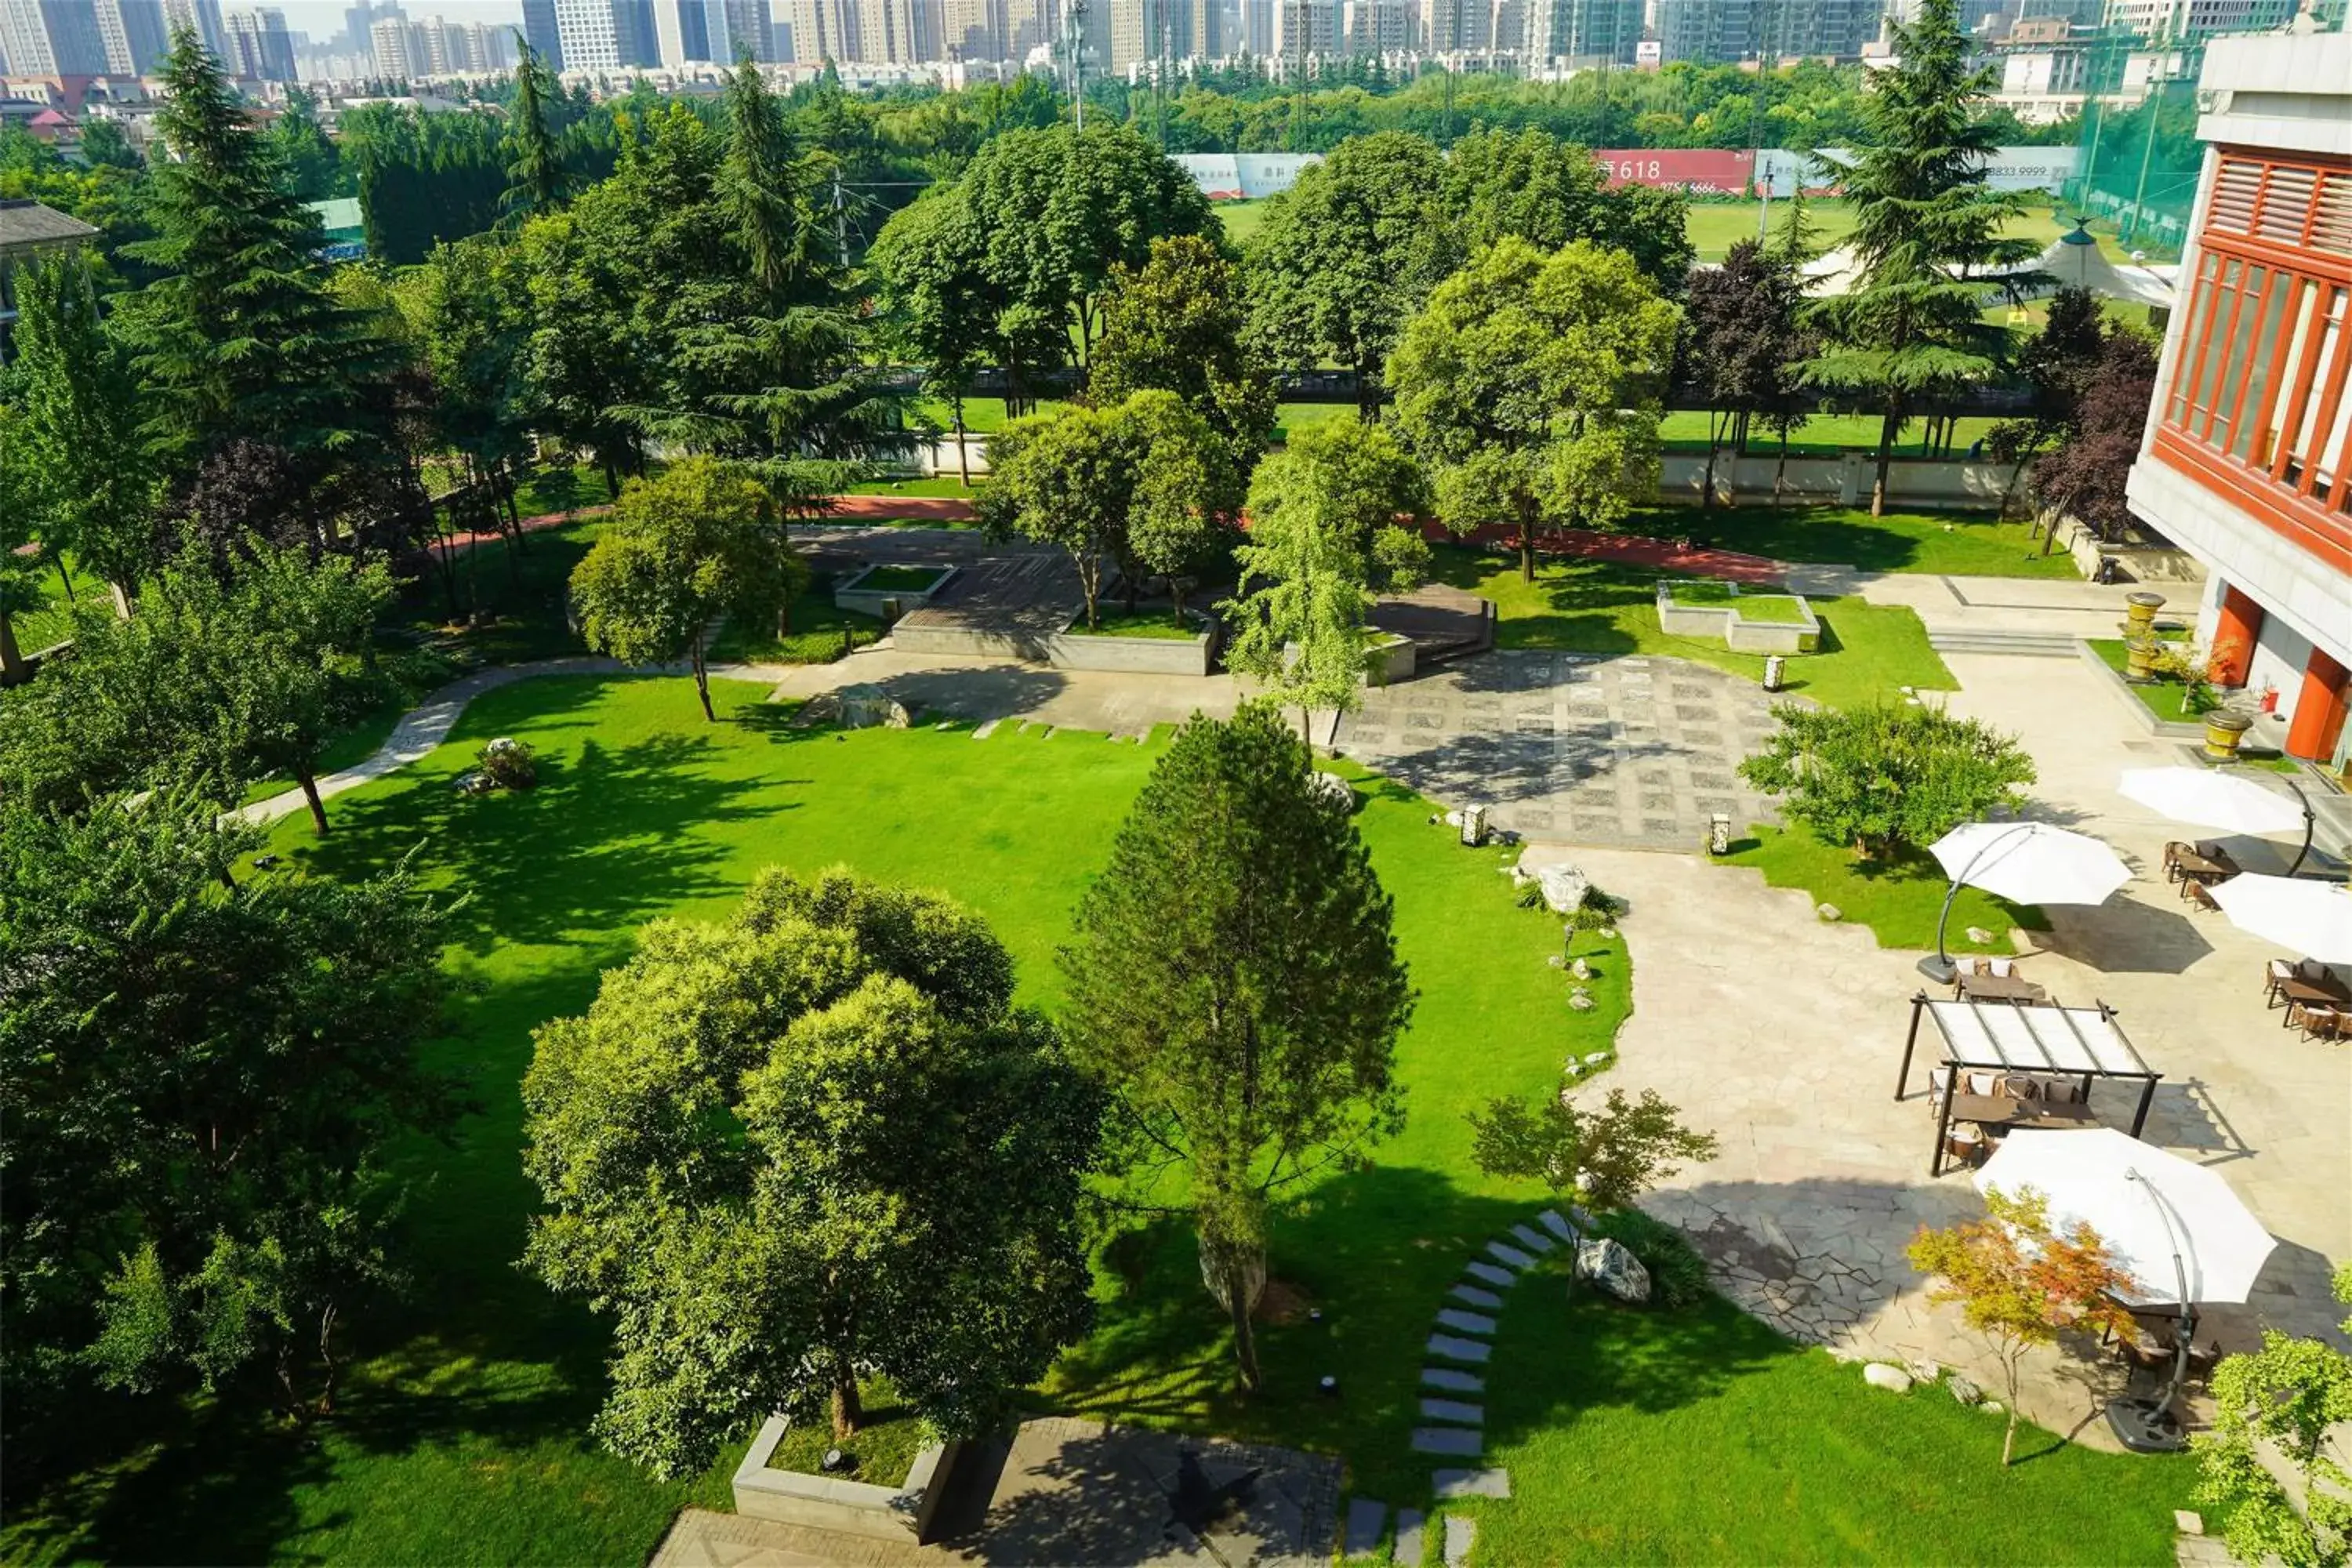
pixel 1637 752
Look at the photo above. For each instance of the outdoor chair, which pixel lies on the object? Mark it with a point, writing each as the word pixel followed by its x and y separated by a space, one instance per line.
pixel 2276 975
pixel 2172 854
pixel 2199 899
pixel 2318 1021
pixel 1966 1143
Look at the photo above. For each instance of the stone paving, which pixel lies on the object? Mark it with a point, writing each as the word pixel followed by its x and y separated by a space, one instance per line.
pixel 1632 751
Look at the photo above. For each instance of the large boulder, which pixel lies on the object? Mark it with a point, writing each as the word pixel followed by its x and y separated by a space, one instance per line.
pixel 860 706
pixel 1564 888
pixel 1612 1268
pixel 1331 790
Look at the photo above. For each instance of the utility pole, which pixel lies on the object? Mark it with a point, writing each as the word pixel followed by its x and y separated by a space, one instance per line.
pixel 840 220
pixel 1077 23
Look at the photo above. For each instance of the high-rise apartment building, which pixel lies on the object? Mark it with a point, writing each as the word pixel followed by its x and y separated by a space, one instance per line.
pixel 134 33
pixel 822 29
pixel 607 34
pixel 204 17
pixel 1310 29
pixel 260 48
pixel 52 37
pixel 1725 31
pixel 1460 27
pixel 750 29
pixel 1376 26
pixel 691 32
pixel 976 29
pixel 2247 462
pixel 1139 31
pixel 1583 31
pixel 392 43
pixel 2177 19
pixel 885 32
pixel 541 32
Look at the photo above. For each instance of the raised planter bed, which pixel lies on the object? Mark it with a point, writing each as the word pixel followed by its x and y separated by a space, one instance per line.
pixel 903 1513
pixel 1156 651
pixel 1389 657
pixel 1745 622
pixel 872 590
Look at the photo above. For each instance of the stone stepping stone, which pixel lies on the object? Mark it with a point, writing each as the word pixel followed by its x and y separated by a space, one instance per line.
pixel 1549 1219
pixel 1492 1274
pixel 1504 1252
pixel 1453 1410
pixel 984 731
pixel 1407 1552
pixel 1453 1382
pixel 1468 1323
pixel 1472 1295
pixel 1461 1442
pixel 1533 1239
pixel 1365 1518
pixel 1452 1349
pixel 1461 1529
pixel 1452 1484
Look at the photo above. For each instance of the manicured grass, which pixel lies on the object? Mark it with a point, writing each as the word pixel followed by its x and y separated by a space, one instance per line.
pixel 2167 699
pixel 933 484
pixel 1822 435
pixel 1700 1436
pixel 1242 219
pixel 462 1433
pixel 1959 544
pixel 1144 621
pixel 51 622
pixel 822 632
pixel 1783 609
pixel 1584 605
pixel 522 594
pixel 982 416
pixel 1716 227
pixel 1898 898
pixel 882 1450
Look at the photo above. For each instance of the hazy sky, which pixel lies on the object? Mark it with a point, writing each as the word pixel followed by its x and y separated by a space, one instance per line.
pixel 324 19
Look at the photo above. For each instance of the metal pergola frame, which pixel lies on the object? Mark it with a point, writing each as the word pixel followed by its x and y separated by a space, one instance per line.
pixel 2083 1043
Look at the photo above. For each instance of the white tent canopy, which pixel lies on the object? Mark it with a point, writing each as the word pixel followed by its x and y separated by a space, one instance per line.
pixel 2031 862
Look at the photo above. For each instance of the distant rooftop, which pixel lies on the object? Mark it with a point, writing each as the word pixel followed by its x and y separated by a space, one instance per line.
pixel 29 223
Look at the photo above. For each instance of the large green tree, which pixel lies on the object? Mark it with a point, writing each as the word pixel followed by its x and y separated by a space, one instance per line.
pixel 88 486
pixel 1529 385
pixel 813 1144
pixel 1742 344
pixel 1347 254
pixel 1234 981
pixel 1532 185
pixel 2273 1459
pixel 1179 325
pixel 1913 326
pixel 202 1086
pixel 1888 778
pixel 683 549
pixel 534 157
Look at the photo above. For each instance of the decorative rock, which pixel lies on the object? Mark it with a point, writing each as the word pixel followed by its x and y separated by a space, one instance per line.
pixel 1407 1552
pixel 1533 1239
pixel 1596 1059
pixel 1452 1349
pixel 1460 1531
pixel 1924 1370
pixel 1979 935
pixel 1607 1264
pixel 1607 933
pixel 1830 913
pixel 1564 888
pixel 1453 1382
pixel 1490 1274
pixel 1992 1407
pixel 1331 790
pixel 1470 1295
pixel 1457 1442
pixel 1453 1410
pixel 1464 1322
pixel 1582 1001
pixel 1893 1379
pixel 2187 1522
pixel 1580 969
pixel 1555 962
pixel 1452 1484
pixel 863 706
pixel 1365 1518
pixel 1504 1252
pixel 1963 1389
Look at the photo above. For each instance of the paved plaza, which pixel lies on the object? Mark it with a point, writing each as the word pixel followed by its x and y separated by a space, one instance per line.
pixel 1631 751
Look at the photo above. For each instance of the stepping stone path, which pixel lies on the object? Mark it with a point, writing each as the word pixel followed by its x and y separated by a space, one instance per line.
pixel 1464 1336
pixel 1407 1553
pixel 1365 1518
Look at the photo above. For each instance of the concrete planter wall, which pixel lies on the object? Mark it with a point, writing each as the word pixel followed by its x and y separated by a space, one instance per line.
pixel 848 596
pixel 2138 562
pixel 2163 729
pixel 1131 655
pixel 1739 633
pixel 903 1513
pixel 1393 658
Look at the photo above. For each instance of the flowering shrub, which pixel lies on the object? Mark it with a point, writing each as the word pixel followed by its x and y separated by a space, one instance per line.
pixel 509 764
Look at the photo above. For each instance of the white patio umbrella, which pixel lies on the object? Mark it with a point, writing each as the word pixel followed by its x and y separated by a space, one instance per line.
pixel 2314 918
pixel 2231 802
pixel 2176 1228
pixel 2026 863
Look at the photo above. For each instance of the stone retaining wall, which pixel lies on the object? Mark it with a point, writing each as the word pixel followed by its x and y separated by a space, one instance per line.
pixel 1130 656
pixel 875 602
pixel 901 1513
pixel 1739 633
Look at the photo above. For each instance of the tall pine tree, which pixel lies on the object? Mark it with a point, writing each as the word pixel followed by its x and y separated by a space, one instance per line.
pixel 241 337
pixel 534 163
pixel 1913 327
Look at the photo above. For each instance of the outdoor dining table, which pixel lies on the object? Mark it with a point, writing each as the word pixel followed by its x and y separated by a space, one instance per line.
pixel 2000 1110
pixel 2001 988
pixel 2207 869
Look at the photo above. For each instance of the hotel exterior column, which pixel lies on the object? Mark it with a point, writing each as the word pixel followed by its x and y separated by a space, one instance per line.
pixel 2318 709
pixel 2234 634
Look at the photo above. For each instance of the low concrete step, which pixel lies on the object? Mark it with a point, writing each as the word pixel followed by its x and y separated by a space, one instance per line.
pixel 2024 645
pixel 1458 1442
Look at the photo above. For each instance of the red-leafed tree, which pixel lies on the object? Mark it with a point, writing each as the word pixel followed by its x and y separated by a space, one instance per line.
pixel 2084 478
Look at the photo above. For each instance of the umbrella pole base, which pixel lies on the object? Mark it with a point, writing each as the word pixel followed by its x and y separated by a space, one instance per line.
pixel 1941 969
pixel 2146 1426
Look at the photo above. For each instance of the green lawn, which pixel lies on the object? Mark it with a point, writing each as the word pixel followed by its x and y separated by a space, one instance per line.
pixel 1155 621
pixel 51 622
pixel 1963 544
pixel 1582 605
pixel 821 633
pixel 1897 899
pixel 1242 219
pixel 929 485
pixel 1822 435
pixel 2167 699
pixel 1716 227
pixel 1783 609
pixel 1700 1436
pixel 882 1450
pixel 522 593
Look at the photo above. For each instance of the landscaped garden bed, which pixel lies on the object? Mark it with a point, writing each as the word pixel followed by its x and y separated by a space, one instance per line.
pixel 1898 896
pixel 1748 621
pixel 889 1484
pixel 2170 699
pixel 1147 640
pixel 875 589
pixel 820 632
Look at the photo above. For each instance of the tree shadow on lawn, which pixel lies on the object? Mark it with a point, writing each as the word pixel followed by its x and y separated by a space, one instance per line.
pixel 1821 535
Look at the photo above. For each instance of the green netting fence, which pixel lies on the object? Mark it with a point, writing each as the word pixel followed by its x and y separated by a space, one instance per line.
pixel 2139 163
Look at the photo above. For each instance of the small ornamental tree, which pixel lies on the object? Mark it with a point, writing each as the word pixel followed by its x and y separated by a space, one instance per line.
pixel 811 1144
pixel 2270 1460
pixel 1742 345
pixel 2082 478
pixel 2020 1284
pixel 1234 981
pixel 697 542
pixel 1602 1160
pixel 1888 778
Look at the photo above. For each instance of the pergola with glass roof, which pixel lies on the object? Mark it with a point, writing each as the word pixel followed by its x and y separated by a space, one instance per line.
pixel 2081 1043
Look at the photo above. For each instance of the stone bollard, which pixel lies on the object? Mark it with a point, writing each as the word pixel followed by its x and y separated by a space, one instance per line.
pixel 1776 669
pixel 1718 833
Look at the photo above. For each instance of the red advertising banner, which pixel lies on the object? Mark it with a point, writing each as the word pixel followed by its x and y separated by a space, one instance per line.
pixel 1704 170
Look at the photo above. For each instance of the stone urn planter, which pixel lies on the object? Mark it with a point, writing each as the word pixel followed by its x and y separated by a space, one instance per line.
pixel 2224 729
pixel 2139 658
pixel 2141 609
